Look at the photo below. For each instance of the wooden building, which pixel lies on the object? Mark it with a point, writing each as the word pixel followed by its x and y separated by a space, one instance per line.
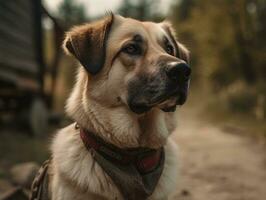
pixel 22 67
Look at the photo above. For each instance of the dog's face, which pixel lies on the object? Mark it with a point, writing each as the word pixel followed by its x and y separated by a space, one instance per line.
pixel 137 65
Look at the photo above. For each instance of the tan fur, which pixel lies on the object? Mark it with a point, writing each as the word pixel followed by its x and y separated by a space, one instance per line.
pixel 183 51
pixel 98 103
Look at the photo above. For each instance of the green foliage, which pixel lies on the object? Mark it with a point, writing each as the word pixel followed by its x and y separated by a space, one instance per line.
pixel 223 34
pixel 240 97
pixel 141 9
pixel 71 13
pixel 228 45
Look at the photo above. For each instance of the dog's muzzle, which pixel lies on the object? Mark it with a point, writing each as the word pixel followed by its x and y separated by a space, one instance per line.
pixel 166 90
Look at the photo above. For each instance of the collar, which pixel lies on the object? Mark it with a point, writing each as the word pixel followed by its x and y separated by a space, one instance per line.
pixel 144 159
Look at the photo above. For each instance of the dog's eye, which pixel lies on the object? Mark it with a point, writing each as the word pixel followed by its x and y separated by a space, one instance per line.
pixel 132 49
pixel 169 49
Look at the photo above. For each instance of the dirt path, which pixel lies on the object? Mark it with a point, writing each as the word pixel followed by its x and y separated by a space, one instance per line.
pixel 216 165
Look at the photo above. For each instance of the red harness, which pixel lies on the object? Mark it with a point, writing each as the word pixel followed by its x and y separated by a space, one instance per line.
pixel 144 159
pixel 135 171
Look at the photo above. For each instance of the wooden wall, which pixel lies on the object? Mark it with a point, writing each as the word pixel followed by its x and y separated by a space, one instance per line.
pixel 21 62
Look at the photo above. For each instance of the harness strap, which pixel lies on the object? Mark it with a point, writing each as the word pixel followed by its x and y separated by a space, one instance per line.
pixel 135 171
pixel 39 187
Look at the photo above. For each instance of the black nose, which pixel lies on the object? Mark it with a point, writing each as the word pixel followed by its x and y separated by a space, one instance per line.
pixel 179 72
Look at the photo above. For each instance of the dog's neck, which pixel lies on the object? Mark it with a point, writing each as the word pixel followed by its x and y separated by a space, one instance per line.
pixel 118 125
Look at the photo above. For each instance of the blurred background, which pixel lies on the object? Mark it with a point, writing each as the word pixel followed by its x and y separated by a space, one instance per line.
pixel 226 109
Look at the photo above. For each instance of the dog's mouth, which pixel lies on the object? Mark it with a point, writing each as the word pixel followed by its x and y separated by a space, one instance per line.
pixel 166 102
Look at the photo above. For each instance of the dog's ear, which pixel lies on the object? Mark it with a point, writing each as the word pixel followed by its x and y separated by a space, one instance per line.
pixel 181 51
pixel 87 43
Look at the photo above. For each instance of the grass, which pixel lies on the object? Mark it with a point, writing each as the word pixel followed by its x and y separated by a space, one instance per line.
pixel 245 123
pixel 211 108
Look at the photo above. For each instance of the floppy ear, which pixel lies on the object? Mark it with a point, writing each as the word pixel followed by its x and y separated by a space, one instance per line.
pixel 181 51
pixel 87 43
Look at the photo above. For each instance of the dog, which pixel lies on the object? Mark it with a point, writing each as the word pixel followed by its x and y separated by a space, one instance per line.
pixel 131 78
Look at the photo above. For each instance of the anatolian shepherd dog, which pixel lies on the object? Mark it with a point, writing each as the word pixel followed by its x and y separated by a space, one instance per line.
pixel 132 75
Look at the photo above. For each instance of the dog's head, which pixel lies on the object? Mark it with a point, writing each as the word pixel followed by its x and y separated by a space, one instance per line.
pixel 131 63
